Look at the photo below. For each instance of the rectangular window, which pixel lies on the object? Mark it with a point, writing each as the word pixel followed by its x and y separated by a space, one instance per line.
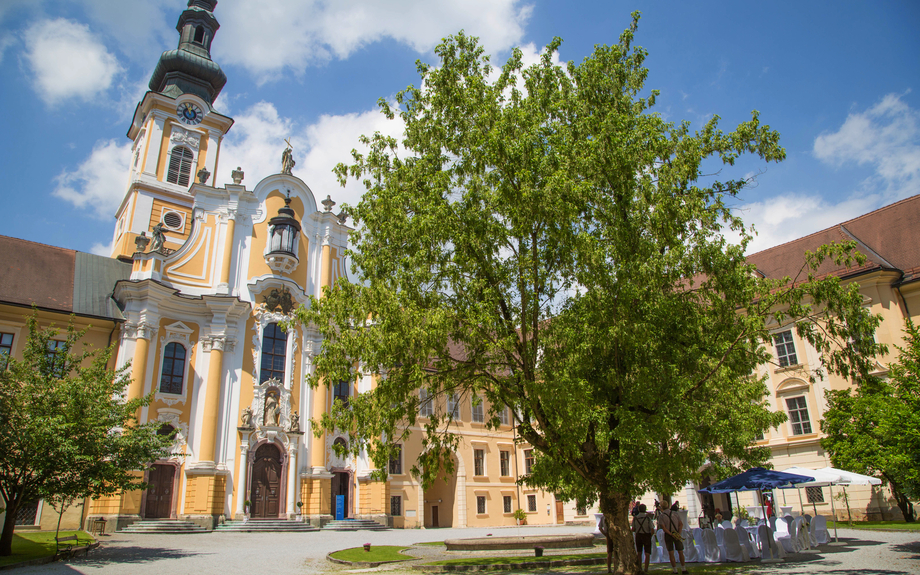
pixel 453 406
pixel 396 461
pixel 581 509
pixel 785 348
pixel 425 405
pixel 798 415
pixel 478 415
pixel 396 505
pixel 528 461
pixel 814 494
pixel 6 348
pixel 506 503
pixel 503 416
pixel 480 504
pixel 479 462
pixel 342 392
pixel 531 503
pixel 55 355
pixel 504 458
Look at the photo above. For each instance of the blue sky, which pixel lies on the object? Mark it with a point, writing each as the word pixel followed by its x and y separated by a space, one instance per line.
pixel 839 80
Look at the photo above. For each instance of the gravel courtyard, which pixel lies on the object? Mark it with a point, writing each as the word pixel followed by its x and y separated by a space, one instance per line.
pixel 865 552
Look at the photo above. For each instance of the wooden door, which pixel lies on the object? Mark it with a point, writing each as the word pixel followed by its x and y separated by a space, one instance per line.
pixel 560 512
pixel 159 492
pixel 266 483
pixel 434 516
pixel 340 484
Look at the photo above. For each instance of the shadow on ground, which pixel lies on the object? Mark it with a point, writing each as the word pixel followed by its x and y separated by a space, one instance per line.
pixel 911 549
pixel 129 555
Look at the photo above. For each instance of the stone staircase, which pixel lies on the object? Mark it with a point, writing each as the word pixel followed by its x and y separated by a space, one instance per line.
pixel 163 526
pixel 354 525
pixel 264 526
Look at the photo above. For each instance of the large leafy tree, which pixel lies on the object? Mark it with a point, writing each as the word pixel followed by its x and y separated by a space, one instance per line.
pixel 539 238
pixel 875 427
pixel 65 432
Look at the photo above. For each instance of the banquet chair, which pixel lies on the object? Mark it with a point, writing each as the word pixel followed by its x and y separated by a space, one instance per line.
pixel 770 551
pixel 819 530
pixel 711 551
pixel 744 538
pixel 733 550
pixel 691 554
pixel 659 552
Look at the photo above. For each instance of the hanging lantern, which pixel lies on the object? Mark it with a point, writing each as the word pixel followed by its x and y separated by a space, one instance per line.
pixel 283 234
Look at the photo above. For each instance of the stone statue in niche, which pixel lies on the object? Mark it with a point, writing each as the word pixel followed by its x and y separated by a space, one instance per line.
pixel 246 417
pixel 295 422
pixel 272 416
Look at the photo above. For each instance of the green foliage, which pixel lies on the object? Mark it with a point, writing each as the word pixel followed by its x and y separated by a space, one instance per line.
pixel 378 553
pixel 64 431
pixel 519 514
pixel 541 238
pixel 875 429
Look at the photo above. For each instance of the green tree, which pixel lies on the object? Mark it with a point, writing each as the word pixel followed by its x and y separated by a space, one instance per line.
pixel 64 431
pixel 540 239
pixel 875 428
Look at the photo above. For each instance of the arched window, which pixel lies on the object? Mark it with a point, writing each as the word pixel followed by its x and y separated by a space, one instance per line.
pixel 173 373
pixel 166 430
pixel 180 166
pixel 199 34
pixel 274 351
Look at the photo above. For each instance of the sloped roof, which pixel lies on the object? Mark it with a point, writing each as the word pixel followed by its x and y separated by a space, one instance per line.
pixel 59 279
pixel 889 238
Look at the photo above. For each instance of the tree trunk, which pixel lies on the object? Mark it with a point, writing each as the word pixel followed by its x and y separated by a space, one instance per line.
pixel 9 525
pixel 904 504
pixel 621 548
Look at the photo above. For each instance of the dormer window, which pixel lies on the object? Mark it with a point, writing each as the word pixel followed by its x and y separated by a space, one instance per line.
pixel 180 166
pixel 199 34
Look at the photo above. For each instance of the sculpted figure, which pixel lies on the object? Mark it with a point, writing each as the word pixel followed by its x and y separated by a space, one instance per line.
pixel 295 421
pixel 158 237
pixel 287 161
pixel 272 410
pixel 246 417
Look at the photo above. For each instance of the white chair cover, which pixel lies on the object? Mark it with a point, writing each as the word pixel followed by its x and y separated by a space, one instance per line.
pixel 790 541
pixel 711 552
pixel 773 523
pixel 744 539
pixel 782 526
pixel 802 537
pixel 726 524
pixel 769 550
pixel 720 539
pixel 659 552
pixel 743 523
pixel 691 555
pixel 819 530
pixel 733 549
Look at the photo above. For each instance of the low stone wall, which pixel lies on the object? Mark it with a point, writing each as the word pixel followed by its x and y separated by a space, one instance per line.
pixel 521 542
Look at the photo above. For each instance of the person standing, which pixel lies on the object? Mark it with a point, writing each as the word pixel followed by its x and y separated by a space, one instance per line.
pixel 642 527
pixel 670 522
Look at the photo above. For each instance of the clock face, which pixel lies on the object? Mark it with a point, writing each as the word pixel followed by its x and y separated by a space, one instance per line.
pixel 189 113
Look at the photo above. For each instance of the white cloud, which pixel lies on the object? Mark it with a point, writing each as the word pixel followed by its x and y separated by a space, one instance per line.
pixel 257 140
pixel 791 216
pixel 886 137
pixel 67 61
pixel 99 182
pixel 102 249
pixel 269 37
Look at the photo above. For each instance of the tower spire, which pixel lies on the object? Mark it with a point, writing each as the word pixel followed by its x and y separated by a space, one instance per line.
pixel 189 69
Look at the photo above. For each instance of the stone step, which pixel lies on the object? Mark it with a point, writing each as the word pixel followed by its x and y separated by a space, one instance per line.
pixel 164 526
pixel 265 525
pixel 354 525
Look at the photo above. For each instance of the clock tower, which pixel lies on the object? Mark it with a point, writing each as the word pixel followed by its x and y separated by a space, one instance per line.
pixel 176 133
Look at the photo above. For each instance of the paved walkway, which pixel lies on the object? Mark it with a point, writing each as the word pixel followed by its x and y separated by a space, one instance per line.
pixel 865 552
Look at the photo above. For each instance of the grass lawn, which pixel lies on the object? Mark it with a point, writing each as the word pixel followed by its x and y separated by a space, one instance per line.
pixel 28 545
pixel 877 525
pixel 516 559
pixel 695 568
pixel 434 543
pixel 377 553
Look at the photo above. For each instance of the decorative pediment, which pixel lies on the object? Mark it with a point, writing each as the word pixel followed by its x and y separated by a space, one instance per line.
pixel 790 385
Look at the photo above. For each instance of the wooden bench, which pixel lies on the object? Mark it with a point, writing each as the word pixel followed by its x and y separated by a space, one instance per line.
pixel 71 541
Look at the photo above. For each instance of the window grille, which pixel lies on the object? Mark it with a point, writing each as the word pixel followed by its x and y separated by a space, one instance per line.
pixel 506 503
pixel 480 504
pixel 785 349
pixel 173 373
pixel 531 503
pixel 172 220
pixel 798 415
pixel 396 505
pixel 274 352
pixel 581 509
pixel 27 514
pixel 180 166
pixel 504 458
pixel 814 494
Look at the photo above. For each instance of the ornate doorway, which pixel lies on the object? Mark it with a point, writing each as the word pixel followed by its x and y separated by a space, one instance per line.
pixel 158 503
pixel 265 493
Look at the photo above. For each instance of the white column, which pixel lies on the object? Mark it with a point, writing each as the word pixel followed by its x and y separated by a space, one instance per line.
pixel 241 489
pixel 292 478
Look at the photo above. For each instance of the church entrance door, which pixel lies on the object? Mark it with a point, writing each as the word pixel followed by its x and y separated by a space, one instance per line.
pixel 160 491
pixel 340 483
pixel 266 483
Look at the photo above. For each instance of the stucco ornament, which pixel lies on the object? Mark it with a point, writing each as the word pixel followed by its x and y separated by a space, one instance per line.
pixel 271 413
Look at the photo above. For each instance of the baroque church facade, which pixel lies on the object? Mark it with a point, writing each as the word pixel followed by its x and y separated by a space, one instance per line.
pixel 196 295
